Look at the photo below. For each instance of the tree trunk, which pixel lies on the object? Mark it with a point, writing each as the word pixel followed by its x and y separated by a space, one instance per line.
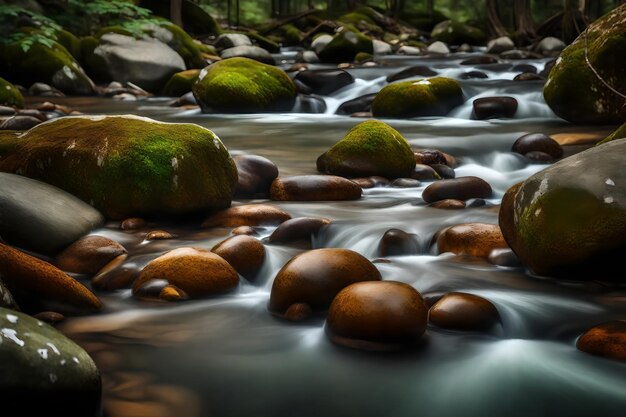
pixel 176 15
pixel 430 8
pixel 237 13
pixel 524 25
pixel 493 16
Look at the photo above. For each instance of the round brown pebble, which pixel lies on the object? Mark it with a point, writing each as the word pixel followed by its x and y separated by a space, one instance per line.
pixel 244 253
pixel 314 188
pixel 383 315
pixel 316 276
pixel 475 239
pixel 172 293
pixel 133 223
pixel 89 254
pixel 115 275
pixel 405 183
pixel 298 312
pixel 244 230
pixel 159 235
pixel 461 311
pixel 449 204
pixel 248 215
pixel 424 173
pixel 50 317
pixel 370 182
pixel 494 107
pixel 429 157
pixel 541 142
pixel 300 228
pixel 256 174
pixel 397 242
pixel 197 272
pixel 461 188
pixel 607 340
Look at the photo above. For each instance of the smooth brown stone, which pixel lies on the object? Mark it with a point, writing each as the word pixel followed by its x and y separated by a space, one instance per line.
pixel 314 188
pixel 461 188
pixel 480 60
pixel 378 315
pixel 533 142
pixel 159 235
pixel 494 107
pixel 396 242
pixel 172 293
pixel 197 272
pixel 133 223
pixel 449 204
pixel 429 157
pixel 244 253
pixel 424 173
pixel 504 257
pixel 248 215
pixel 245 230
pixel 50 317
pixel 316 276
pixel 528 76
pixel 300 228
pixel 35 282
pixel 256 174
pixel 607 340
pixel 444 171
pixel 461 311
pixel 475 239
pixel 298 312
pixel 370 182
pixel 115 275
pixel 405 183
pixel 89 254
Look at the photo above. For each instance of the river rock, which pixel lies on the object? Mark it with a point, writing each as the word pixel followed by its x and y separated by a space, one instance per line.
pixel 371 182
pixel 255 176
pixel 197 272
pixel 448 204
pixel 461 311
pixel 499 45
pixel 475 239
pixel 244 253
pixel 133 223
pixel 409 50
pixel 494 107
pixel 504 257
pixel 414 71
pixel 320 42
pixel 176 168
pixel 24 220
pixel 384 315
pixel 360 104
pixel 36 284
pixel 89 254
pixel 444 171
pixel 314 188
pixel 180 83
pixel 43 372
pixel 192 52
pixel 573 91
pixel 230 40
pixel 313 278
pixel 426 97
pixel 579 199
pixel 550 46
pixel 470 75
pixel 344 46
pixel 533 142
pixel 480 60
pixel 116 275
pixel 248 215
pixel 405 183
pixel 438 48
pixel 424 172
pixel 19 122
pixel 370 148
pixel 249 51
pixel 461 188
pixel 300 228
pixel 455 33
pixel 607 340
pixel 396 242
pixel 243 85
pixel 9 95
pixel 159 235
pixel 245 230
pixel 528 76
pixel 324 82
pixel 381 48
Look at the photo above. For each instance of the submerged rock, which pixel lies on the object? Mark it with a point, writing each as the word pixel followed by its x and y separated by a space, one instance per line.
pixel 300 228
pixel 570 219
pixel 606 339
pixel 461 311
pixel 89 254
pixel 174 168
pixel 244 253
pixel 43 372
pixel 476 239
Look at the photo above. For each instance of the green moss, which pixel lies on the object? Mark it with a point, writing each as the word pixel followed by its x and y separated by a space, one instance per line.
pixel 180 83
pixel 345 45
pixel 620 133
pixel 9 95
pixel 371 148
pixel 244 85
pixel 185 46
pixel 416 98
pixel 127 165
pixel 362 57
pixel 264 42
pixel 574 92
pixel 8 142
pixel 455 33
pixel 290 34
pixel 70 42
pixel 113 29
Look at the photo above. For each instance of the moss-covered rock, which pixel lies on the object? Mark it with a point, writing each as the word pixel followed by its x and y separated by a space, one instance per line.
pixel 423 97
pixel 195 19
pixel 289 34
pixel 264 42
pixel 244 85
pixel 9 95
pixel 70 42
pixel 569 220
pixel 180 83
pixel 177 39
pixel 422 20
pixel 574 92
pixel 128 165
pixel 345 45
pixel 455 33
pixel 52 65
pixel 619 133
pixel 370 148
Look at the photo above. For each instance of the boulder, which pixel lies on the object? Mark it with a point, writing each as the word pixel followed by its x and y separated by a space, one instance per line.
pixel 381 48
pixel 574 92
pixel 499 45
pixel 607 340
pixel 370 148
pixel 438 48
pixel 320 42
pixel 461 311
pixel 9 95
pixel 324 82
pixel 180 83
pixel 255 176
pixel 570 219
pixel 475 239
pixel 176 38
pixel 47 228
pixel 231 40
pixel 44 372
pixel 550 46
pixel 344 46
pixel 314 188
pixel 244 85
pixel 455 33
pixel 461 188
pixel 416 98
pixel 244 253
pixel 248 215
pixel 248 51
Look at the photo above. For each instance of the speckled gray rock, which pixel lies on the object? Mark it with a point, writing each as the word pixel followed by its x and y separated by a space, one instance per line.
pixel 43 372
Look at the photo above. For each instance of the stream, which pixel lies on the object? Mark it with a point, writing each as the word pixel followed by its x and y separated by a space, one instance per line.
pixel 228 356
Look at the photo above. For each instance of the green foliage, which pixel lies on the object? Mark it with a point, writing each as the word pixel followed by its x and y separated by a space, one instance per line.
pixel 33 27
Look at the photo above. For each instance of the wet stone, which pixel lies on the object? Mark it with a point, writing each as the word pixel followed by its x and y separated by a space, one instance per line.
pixel 115 275
pixel 50 317
pixel 475 239
pixel 444 171
pixel 244 230
pixel 244 253
pixel 89 254
pixel 424 173
pixel 371 182
pixel 449 204
pixel 504 257
pixel 472 75
pixel 537 142
pixel 494 107
pixel 300 228
pixel 133 223
pixel 461 311
pixel 461 188
pixel 248 215
pixel 607 340
pixel 414 71
pixel 159 235
pixel 314 188
pixel 19 123
pixel 396 242
pixel 405 183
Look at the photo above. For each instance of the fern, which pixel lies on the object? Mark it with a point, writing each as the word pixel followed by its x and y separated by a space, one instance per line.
pixel 22 26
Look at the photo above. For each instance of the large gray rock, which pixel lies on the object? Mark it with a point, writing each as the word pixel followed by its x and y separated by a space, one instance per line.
pixel 43 372
pixel 230 40
pixel 147 62
pixel 40 217
pixel 320 42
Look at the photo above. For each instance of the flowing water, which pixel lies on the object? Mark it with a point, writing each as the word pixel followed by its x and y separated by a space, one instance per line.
pixel 227 356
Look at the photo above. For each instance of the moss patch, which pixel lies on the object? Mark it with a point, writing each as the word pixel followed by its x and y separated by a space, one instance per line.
pixel 10 95
pixel 180 83
pixel 620 133
pixel 345 45
pixel 455 33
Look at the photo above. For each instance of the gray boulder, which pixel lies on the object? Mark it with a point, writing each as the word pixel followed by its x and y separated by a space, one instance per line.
pixel 320 42
pixel 381 48
pixel 247 51
pixel 501 44
pixel 230 40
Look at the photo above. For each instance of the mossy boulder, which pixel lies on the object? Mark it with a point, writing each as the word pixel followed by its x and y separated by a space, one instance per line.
pixel 370 148
pixel 620 133
pixel 44 372
pixel 70 42
pixel 177 39
pixel 456 33
pixel 244 85
pixel 416 98
pixel 423 20
pixel 195 19
pixel 574 92
pixel 10 95
pixel 52 65
pixel 290 34
pixel 128 165
pixel 180 83
pixel 345 46
pixel 569 220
